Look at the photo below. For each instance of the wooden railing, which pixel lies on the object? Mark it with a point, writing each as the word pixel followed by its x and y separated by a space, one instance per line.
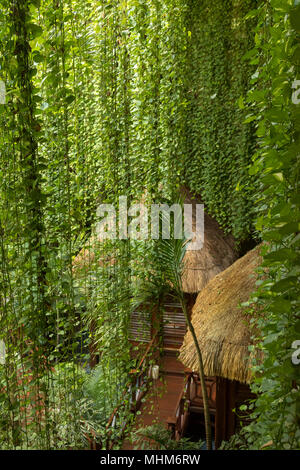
pixel 190 400
pixel 131 400
pixel 178 422
pixel 197 396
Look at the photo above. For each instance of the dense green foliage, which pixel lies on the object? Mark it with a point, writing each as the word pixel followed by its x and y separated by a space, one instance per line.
pixel 157 437
pixel 219 143
pixel 270 104
pixel 127 97
pixel 277 163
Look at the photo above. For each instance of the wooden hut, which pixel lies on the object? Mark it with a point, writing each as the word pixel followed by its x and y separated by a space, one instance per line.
pixel 218 252
pixel 224 334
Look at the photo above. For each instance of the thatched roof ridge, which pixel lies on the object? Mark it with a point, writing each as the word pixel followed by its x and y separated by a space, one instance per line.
pixel 218 252
pixel 221 325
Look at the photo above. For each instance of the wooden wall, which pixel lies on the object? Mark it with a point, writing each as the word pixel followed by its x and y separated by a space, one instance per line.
pixel 230 395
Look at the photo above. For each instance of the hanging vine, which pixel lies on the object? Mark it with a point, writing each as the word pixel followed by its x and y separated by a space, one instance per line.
pixel 220 145
pixel 130 98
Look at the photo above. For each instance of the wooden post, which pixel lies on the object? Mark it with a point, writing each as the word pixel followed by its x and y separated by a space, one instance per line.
pixel 231 400
pixel 225 424
pixel 220 423
pixel 171 424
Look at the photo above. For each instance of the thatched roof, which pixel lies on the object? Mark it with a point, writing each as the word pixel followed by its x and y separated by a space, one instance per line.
pixel 221 325
pixel 92 253
pixel 218 252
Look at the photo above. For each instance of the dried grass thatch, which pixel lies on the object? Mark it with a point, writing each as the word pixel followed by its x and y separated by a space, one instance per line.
pixel 91 254
pixel 218 252
pixel 221 325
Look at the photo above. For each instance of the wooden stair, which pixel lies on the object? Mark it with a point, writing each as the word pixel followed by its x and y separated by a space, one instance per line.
pixel 161 399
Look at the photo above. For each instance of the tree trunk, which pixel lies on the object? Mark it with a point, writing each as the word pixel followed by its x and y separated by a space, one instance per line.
pixel 202 377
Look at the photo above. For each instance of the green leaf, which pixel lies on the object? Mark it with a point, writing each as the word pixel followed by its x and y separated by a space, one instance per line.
pixel 70 99
pixel 240 102
pixel 295 18
pixel 281 255
pixel 35 30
